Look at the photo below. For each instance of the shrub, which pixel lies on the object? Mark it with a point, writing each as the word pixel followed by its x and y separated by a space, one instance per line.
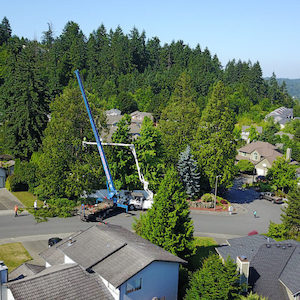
pixel 207 198
pixel 245 166
pixel 14 183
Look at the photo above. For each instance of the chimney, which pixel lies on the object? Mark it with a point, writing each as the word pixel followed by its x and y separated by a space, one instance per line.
pixel 243 265
pixel 288 154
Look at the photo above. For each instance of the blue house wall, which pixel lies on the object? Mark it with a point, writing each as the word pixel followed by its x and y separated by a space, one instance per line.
pixel 159 279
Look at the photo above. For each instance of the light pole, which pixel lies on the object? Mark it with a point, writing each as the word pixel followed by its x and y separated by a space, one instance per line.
pixel 216 187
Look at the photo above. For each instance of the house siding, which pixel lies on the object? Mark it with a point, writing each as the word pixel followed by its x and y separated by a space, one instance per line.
pixel 2 178
pixel 159 279
pixel 262 167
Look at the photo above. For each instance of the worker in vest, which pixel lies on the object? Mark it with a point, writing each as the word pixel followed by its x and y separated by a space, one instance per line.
pixel 16 210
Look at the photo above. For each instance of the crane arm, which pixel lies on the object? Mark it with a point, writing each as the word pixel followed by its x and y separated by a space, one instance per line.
pixel 111 188
pixel 132 148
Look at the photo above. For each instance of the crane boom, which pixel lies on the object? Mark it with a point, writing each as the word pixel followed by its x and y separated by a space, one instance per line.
pixel 112 192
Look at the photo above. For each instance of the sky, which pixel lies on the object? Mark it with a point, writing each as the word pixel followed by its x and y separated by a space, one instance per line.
pixel 267 31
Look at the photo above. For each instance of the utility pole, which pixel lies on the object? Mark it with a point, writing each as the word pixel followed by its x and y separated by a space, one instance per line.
pixel 216 187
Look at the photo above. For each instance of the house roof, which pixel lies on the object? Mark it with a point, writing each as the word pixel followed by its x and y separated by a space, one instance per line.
pixel 113 112
pixel 280 261
pixel 266 267
pixel 258 128
pixel 245 246
pixel 25 270
pixel 266 150
pixel 66 282
pixel 141 115
pixel 291 273
pixel 113 119
pixel 113 252
pixel 281 115
pixel 281 133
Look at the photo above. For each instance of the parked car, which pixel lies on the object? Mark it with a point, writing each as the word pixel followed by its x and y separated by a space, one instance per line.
pixel 261 178
pixel 270 197
pixel 53 241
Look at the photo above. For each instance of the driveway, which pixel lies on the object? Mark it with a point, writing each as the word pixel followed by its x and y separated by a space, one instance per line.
pixel 8 200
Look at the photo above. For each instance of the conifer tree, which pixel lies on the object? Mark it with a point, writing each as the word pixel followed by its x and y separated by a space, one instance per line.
pixel 214 280
pixel 214 146
pixel 168 223
pixel 291 216
pixel 188 172
pixel 150 153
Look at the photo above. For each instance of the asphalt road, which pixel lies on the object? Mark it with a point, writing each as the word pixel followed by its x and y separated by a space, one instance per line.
pixel 205 224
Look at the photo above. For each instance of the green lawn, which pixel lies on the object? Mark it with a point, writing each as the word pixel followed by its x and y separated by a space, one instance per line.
pixel 13 255
pixel 27 199
pixel 204 246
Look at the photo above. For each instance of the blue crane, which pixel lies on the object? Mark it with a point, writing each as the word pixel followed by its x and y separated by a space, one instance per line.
pixel 112 192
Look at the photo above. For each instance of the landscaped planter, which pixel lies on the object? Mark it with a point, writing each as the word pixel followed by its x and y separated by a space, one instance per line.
pixel 200 204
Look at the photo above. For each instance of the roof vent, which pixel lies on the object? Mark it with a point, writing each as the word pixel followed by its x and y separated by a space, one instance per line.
pixel 243 257
pixel 289 245
pixel 268 245
pixel 70 241
pixel 283 247
pixel 277 245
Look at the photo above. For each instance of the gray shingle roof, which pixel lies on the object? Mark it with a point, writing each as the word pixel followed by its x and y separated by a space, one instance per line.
pixel 25 270
pixel 113 252
pixel 60 282
pixel 266 267
pixel 291 273
pixel 245 246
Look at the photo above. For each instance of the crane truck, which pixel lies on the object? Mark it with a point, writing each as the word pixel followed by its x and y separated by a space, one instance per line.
pixel 113 195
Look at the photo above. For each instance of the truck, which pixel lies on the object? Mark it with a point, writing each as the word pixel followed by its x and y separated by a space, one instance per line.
pixel 270 197
pixel 113 196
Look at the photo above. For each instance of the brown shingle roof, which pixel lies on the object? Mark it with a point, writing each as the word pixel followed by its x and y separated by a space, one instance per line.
pixel 66 282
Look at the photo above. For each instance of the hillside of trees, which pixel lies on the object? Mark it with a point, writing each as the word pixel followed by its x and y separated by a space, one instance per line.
pixel 194 99
pixel 292 86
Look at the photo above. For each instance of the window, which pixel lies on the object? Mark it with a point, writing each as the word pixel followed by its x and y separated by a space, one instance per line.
pixel 255 156
pixel 133 285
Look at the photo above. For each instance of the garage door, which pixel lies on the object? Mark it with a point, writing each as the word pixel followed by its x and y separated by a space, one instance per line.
pixel 2 182
pixel 260 171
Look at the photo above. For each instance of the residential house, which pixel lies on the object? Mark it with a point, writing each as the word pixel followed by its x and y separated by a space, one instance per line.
pixel 270 268
pixel 261 154
pixel 246 131
pixel 113 116
pixel 6 168
pixel 281 115
pixel 104 260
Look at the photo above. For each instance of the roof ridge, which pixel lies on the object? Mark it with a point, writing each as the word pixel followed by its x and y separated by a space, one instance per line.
pixel 287 260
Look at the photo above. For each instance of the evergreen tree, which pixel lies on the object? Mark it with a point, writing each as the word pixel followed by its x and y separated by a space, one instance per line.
pixel 25 100
pixel 47 38
pixel 64 168
pixel 120 159
pixel 150 153
pixel 214 280
pixel 215 147
pixel 188 172
pixel 168 223
pixel 291 216
pixel 5 31
pixel 180 119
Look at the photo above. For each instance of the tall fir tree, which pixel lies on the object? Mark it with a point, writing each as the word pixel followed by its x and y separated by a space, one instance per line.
pixel 5 31
pixel 291 216
pixel 188 171
pixel 168 223
pixel 150 153
pixel 215 147
pixel 25 100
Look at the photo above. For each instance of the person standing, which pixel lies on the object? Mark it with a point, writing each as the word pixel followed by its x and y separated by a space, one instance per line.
pixel 35 204
pixel 254 214
pixel 16 210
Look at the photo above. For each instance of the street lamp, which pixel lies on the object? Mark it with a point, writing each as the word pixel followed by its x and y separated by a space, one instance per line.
pixel 216 191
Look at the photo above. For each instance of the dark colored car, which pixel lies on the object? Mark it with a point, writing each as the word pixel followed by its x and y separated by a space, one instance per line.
pixel 53 241
pixel 261 178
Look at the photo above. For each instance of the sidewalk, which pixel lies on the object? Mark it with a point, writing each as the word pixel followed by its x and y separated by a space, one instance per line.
pixel 237 209
pixel 8 200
